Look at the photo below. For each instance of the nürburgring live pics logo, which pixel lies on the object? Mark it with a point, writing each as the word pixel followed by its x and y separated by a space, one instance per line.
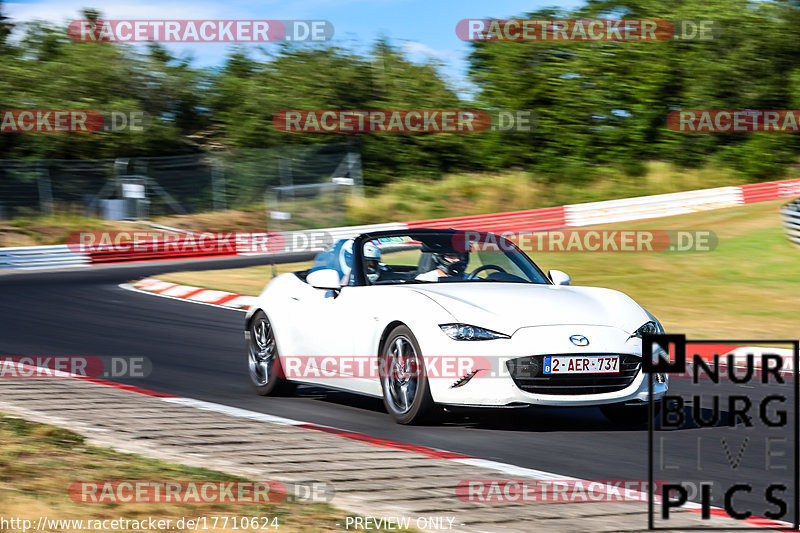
pixel 726 439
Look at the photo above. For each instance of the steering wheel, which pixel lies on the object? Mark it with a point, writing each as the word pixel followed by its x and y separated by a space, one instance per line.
pixel 474 273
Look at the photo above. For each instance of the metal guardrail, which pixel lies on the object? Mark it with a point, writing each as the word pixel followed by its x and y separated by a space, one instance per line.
pixel 791 221
pixel 33 257
pixel 538 219
pixel 64 256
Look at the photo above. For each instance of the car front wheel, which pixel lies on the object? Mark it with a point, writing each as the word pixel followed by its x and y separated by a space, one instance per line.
pixel 263 360
pixel 406 393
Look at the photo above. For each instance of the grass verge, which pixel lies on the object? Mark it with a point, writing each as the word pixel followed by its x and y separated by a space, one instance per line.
pixel 38 463
pixel 481 193
pixel 747 287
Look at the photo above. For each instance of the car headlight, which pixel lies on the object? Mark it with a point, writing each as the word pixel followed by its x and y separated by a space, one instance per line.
pixel 464 332
pixel 652 327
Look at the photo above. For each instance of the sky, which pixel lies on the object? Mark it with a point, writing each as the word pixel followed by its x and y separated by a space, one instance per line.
pixel 425 29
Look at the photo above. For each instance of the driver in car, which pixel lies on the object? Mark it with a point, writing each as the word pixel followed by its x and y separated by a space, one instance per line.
pixel 372 262
pixel 448 264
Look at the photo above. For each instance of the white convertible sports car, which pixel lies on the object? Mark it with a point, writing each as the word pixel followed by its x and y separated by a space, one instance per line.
pixel 434 318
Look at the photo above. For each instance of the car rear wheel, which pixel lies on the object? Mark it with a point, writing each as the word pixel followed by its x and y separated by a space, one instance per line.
pixel 263 360
pixel 629 415
pixel 406 393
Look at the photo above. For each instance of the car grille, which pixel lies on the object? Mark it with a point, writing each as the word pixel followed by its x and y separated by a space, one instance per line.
pixel 527 375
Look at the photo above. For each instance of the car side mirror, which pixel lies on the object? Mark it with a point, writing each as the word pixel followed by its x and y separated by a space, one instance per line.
pixel 558 277
pixel 326 278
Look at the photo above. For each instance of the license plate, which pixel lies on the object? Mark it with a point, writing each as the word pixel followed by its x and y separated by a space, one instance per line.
pixel 578 364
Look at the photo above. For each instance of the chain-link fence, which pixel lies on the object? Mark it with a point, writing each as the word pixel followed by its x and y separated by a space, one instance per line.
pixel 306 185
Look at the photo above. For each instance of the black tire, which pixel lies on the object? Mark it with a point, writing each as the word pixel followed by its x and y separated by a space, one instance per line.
pixel 264 366
pixel 629 415
pixel 420 408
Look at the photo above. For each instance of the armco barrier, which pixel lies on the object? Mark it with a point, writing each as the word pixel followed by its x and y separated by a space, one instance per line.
pixel 623 210
pixel 575 215
pixel 33 257
pixel 659 205
pixel 771 190
pixel 150 250
pixel 791 221
pixel 531 220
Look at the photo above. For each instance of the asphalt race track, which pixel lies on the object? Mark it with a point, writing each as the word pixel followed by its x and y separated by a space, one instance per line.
pixel 198 351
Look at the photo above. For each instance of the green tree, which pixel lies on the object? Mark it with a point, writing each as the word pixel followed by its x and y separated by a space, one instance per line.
pixel 604 105
pixel 246 94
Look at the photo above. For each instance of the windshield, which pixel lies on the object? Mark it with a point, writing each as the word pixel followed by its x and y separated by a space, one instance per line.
pixel 447 257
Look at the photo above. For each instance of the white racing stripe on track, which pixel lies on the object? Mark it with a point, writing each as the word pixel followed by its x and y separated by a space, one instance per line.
pixel 514 470
pixel 234 411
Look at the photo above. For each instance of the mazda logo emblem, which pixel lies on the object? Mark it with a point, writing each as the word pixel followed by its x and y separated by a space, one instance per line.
pixel 579 340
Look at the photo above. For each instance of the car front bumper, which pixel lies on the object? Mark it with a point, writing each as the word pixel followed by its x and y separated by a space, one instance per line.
pixel 492 384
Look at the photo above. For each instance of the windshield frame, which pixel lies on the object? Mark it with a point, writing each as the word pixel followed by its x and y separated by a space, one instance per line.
pixel 358 259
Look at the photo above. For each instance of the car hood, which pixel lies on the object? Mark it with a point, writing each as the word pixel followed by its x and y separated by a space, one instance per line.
pixel 506 307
